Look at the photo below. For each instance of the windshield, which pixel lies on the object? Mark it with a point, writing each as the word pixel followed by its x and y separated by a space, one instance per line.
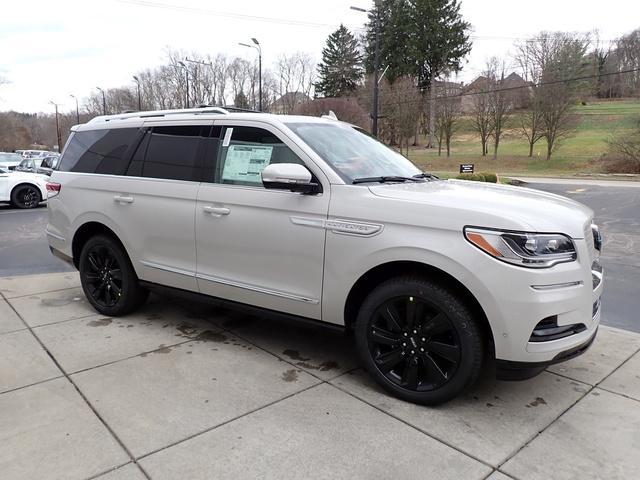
pixel 352 153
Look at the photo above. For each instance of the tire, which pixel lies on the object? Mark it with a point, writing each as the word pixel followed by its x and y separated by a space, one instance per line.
pixel 108 278
pixel 419 340
pixel 26 196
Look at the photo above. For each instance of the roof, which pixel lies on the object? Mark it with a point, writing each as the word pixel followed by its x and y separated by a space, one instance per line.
pixel 133 119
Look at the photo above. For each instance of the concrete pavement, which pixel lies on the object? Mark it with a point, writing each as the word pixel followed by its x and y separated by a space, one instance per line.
pixel 182 390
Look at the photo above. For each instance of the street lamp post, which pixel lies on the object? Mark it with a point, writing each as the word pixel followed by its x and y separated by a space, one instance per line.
pixel 104 101
pixel 77 109
pixel 137 80
pixel 376 66
pixel 256 45
pixel 186 70
pixel 57 125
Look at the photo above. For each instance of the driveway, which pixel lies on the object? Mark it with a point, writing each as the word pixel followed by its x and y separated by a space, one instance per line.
pixel 183 390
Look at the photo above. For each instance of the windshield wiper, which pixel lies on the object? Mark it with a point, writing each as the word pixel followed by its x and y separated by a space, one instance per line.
pixel 391 178
pixel 426 175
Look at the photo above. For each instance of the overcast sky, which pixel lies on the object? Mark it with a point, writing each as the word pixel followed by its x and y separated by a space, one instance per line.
pixel 51 49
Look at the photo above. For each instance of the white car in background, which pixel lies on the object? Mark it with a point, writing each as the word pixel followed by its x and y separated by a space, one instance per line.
pixel 22 189
pixel 10 161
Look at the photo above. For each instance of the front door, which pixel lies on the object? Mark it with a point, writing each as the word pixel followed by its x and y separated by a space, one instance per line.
pixel 257 246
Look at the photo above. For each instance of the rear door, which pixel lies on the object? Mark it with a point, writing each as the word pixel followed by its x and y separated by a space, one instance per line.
pixel 156 202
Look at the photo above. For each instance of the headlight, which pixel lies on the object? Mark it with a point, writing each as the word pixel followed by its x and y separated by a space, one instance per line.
pixel 533 250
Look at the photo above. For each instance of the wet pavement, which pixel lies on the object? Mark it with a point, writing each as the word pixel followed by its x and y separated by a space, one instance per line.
pixel 186 390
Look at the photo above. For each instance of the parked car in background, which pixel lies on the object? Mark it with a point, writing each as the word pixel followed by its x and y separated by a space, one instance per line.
pixel 34 153
pixel 22 189
pixel 48 164
pixel 10 161
pixel 29 165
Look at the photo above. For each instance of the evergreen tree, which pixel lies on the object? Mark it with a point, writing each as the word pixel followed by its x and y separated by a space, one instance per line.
pixel 340 71
pixel 421 38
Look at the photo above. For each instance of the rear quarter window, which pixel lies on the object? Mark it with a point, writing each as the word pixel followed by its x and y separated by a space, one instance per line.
pixel 98 151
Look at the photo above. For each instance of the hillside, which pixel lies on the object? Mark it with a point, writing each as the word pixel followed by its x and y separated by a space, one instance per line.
pixel 581 153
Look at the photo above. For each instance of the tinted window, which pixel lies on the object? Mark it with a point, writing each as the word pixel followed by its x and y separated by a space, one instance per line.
pixel 98 151
pixel 248 152
pixel 174 152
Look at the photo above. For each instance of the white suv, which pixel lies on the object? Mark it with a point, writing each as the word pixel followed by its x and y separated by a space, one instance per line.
pixel 311 217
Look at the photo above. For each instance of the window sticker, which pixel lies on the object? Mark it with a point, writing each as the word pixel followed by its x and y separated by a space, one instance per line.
pixel 227 137
pixel 245 162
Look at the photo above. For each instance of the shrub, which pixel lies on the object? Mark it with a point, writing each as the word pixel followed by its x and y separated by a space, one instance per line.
pixel 477 177
pixel 490 177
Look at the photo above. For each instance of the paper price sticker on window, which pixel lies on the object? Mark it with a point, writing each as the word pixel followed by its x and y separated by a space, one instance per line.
pixel 245 162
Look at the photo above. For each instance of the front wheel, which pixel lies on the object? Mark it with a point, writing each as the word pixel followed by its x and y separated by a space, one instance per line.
pixel 108 279
pixel 419 340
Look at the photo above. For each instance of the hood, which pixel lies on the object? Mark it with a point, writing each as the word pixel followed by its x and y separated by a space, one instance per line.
pixel 494 206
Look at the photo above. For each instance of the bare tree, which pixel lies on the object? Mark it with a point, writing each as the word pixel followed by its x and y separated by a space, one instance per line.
pixel 296 76
pixel 500 101
pixel 448 109
pixel 481 114
pixel 627 146
pixel 553 61
pixel 531 122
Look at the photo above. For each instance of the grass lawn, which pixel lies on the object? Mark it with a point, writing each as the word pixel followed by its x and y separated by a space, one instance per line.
pixel 582 152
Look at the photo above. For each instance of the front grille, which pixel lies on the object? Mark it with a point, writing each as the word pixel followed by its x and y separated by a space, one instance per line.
pixel 548 329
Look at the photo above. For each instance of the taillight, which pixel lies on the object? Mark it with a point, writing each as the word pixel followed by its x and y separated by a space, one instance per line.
pixel 53 189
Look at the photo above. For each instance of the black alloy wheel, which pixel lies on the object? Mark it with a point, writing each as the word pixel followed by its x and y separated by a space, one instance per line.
pixel 413 343
pixel 108 278
pixel 26 196
pixel 103 276
pixel 419 340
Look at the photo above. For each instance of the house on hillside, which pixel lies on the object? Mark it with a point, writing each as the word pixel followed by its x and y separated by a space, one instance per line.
pixel 288 102
pixel 518 89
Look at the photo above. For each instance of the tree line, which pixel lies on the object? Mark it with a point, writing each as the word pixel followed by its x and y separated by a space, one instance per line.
pixel 422 47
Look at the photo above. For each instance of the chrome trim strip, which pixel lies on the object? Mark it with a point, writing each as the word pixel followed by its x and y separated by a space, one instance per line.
pixel 253 288
pixel 557 285
pixel 57 237
pixel 166 268
pixel 343 227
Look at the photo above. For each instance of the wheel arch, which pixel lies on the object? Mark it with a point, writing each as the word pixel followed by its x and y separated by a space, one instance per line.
pixel 85 232
pixel 380 273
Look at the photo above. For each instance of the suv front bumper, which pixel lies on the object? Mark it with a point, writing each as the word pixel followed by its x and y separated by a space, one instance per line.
pixel 510 371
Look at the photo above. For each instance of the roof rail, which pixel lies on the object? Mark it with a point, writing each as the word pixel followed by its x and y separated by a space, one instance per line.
pixel 230 109
pixel 158 113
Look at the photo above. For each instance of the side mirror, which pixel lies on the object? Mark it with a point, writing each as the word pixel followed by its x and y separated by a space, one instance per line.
pixel 289 176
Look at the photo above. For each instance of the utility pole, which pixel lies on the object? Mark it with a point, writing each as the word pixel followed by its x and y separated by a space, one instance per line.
pixel 258 47
pixel 77 109
pixel 186 70
pixel 104 101
pixel 137 80
pixel 376 66
pixel 57 125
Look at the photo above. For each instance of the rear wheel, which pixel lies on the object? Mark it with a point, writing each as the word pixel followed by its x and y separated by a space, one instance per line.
pixel 108 279
pixel 26 196
pixel 419 340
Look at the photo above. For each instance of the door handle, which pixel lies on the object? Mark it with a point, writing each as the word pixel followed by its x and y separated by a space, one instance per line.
pixel 122 199
pixel 219 211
